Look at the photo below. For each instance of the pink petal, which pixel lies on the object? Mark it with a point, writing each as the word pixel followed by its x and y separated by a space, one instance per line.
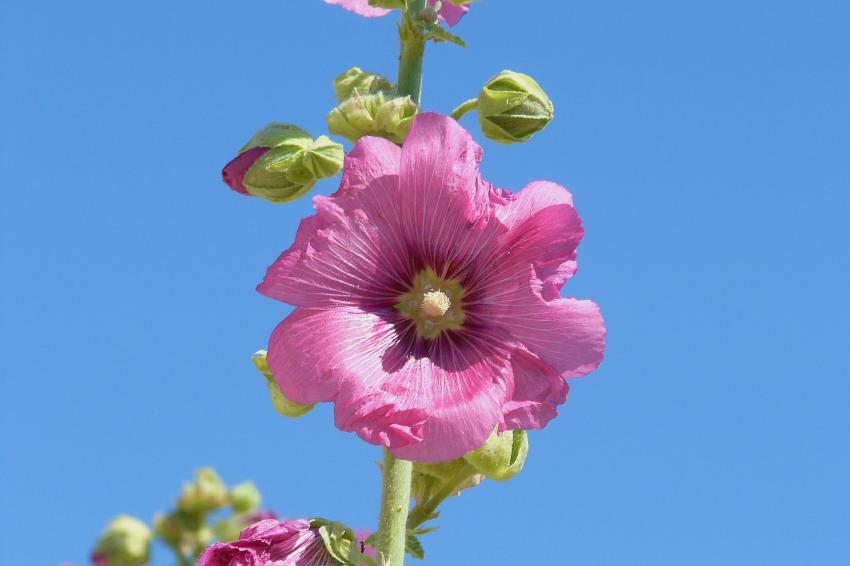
pixel 429 403
pixel 233 173
pixel 360 7
pixel 370 158
pixel 538 390
pixel 567 334
pixel 445 209
pixel 544 231
pixel 350 253
pixel 451 13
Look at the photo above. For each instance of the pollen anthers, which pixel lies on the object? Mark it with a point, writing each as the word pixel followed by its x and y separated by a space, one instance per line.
pixel 433 304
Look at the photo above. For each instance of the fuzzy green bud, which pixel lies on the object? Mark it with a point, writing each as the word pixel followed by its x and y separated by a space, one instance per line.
pixel 357 80
pixel 502 456
pixel 288 171
pixel 205 494
pixel 245 498
pixel 379 114
pixel 281 404
pixel 512 107
pixel 125 542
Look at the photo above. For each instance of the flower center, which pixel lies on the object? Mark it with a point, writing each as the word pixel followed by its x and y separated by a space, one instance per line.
pixel 433 304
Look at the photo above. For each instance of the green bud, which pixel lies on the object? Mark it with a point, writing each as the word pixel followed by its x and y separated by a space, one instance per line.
pixel 291 168
pixel 340 541
pixel 125 542
pixel 244 498
pixel 205 494
pixel 378 114
pixel 502 456
pixel 512 107
pixel 357 80
pixel 281 404
pixel 278 134
pixel 168 527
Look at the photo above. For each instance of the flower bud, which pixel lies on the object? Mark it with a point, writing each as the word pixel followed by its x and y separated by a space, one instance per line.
pixel 281 404
pixel 357 80
pixel 205 494
pixel 125 542
pixel 281 163
pixel 512 107
pixel 244 498
pixel 502 456
pixel 378 114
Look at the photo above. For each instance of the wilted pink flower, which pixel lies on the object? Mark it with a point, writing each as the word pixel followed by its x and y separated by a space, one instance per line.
pixel 282 543
pixel 450 13
pixel 428 305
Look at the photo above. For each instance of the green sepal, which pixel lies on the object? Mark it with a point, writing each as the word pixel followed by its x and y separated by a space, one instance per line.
pixel 357 80
pixel 276 134
pixel 440 35
pixel 502 456
pixel 379 114
pixel 207 493
pixel 281 403
pixel 340 541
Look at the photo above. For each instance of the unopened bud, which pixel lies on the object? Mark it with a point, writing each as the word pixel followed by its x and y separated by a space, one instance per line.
pixel 205 494
pixel 378 114
pixel 512 107
pixel 125 542
pixel 282 162
pixel 502 456
pixel 281 404
pixel 245 498
pixel 357 80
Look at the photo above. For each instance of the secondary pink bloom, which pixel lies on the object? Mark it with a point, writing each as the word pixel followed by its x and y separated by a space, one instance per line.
pixel 449 12
pixel 281 543
pixel 428 304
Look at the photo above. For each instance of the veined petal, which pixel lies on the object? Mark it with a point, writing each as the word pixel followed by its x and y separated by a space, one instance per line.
pixel 446 210
pixel 567 334
pixel 430 402
pixel 544 231
pixel 538 390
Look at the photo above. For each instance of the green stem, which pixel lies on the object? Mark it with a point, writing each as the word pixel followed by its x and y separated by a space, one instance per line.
pixel 423 512
pixel 395 505
pixel 470 104
pixel 412 53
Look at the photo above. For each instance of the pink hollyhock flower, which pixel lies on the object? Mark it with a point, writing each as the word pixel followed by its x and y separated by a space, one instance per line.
pixel 450 13
pixel 428 306
pixel 282 543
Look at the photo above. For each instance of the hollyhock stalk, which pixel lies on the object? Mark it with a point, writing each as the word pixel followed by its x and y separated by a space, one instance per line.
pixel 398 474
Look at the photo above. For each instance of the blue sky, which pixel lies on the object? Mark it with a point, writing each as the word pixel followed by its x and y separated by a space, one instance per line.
pixel 706 144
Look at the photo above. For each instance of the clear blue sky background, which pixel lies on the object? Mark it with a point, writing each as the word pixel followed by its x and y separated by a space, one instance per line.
pixel 706 143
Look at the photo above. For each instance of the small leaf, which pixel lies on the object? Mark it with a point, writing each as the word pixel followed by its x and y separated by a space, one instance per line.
pixel 438 34
pixel 414 547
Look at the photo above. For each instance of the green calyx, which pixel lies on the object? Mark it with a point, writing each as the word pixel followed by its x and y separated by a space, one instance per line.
pixel 293 163
pixel 280 402
pixel 125 542
pixel 207 493
pixel 434 304
pixel 245 498
pixel 502 456
pixel 357 80
pixel 512 107
pixel 380 114
pixel 340 541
